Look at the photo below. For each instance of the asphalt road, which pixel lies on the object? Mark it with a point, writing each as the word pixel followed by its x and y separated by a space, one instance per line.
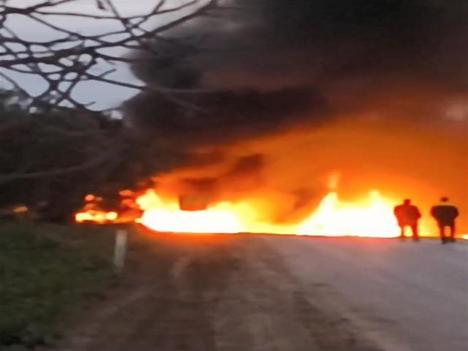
pixel 266 293
pixel 403 295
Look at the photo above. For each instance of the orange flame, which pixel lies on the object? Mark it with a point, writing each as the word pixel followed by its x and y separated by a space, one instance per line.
pixel 96 216
pixel 92 212
pixel 372 217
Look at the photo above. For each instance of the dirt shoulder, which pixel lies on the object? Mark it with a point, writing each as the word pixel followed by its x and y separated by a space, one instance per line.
pixel 210 293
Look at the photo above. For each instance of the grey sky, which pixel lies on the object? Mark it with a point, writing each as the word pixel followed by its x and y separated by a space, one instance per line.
pixel 104 95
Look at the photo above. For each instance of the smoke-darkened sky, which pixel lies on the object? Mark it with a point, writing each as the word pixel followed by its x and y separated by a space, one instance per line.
pixel 274 63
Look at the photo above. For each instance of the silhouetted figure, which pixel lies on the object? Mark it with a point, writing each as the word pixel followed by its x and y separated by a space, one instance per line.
pixel 445 214
pixel 408 216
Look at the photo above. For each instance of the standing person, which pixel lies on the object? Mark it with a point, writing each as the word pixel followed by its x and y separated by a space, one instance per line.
pixel 445 214
pixel 408 216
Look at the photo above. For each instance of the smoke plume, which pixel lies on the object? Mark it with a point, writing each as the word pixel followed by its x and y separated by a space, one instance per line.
pixel 285 92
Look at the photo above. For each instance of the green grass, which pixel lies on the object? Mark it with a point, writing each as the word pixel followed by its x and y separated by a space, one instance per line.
pixel 47 272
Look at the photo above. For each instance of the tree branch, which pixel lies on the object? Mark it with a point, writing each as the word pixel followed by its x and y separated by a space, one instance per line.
pixel 72 53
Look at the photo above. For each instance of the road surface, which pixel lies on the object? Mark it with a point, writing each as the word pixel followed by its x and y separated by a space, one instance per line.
pixel 404 295
pixel 265 293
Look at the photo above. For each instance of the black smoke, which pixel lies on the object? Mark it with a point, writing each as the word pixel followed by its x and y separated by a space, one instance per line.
pixel 268 65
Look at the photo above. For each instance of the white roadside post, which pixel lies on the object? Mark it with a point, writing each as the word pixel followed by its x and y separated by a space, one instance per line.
pixel 120 249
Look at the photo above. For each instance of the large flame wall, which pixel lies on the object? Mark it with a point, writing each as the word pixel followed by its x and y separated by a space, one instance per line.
pixel 371 217
pixel 289 175
pixel 320 181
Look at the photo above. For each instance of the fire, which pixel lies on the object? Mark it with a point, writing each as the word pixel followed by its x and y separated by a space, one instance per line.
pixel 370 217
pixel 165 216
pixel 96 216
pixel 92 212
pixel 333 217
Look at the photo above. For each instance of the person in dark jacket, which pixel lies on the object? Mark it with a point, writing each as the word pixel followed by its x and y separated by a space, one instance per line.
pixel 408 216
pixel 445 214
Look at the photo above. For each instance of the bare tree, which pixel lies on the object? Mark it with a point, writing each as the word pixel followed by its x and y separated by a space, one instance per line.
pixel 51 139
pixel 70 57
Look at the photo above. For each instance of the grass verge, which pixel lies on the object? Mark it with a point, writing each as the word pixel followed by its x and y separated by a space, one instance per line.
pixel 46 273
